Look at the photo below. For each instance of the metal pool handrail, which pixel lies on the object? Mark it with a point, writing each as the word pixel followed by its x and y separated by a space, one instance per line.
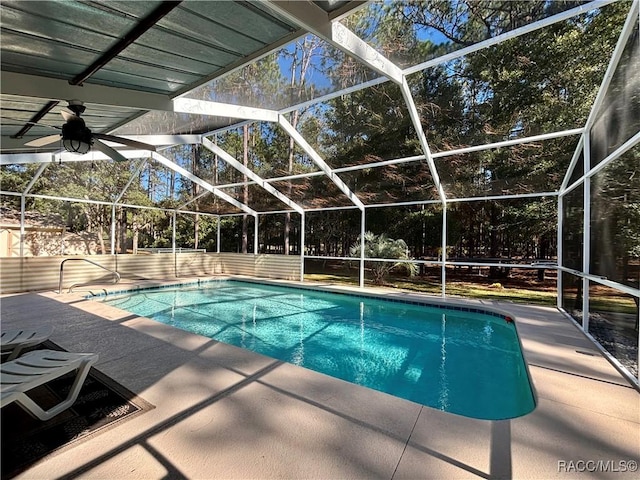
pixel 116 274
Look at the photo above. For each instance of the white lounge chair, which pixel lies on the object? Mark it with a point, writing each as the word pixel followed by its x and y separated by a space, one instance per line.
pixel 14 341
pixel 36 368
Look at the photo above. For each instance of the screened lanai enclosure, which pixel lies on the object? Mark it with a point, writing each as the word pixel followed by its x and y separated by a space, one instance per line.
pixel 455 147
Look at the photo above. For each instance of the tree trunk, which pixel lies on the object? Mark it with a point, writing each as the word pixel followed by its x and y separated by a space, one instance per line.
pixel 101 238
pixel 172 183
pixel 122 220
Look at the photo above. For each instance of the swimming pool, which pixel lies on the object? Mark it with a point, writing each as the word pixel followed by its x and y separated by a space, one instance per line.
pixel 457 359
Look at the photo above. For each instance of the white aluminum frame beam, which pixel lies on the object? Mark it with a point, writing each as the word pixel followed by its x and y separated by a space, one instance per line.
pixel 573 164
pixel 24 158
pixel 327 209
pixel 66 157
pixel 106 203
pixel 627 29
pixel 509 35
pixel 206 192
pixel 316 20
pixel 618 152
pixel 509 143
pixel 586 232
pixel 143 162
pixel 504 197
pixel 417 125
pixel 317 159
pixel 559 251
pixel 344 39
pixel 602 280
pixel 205 107
pixel 320 21
pixel 97 155
pixel 35 178
pixel 209 145
pixel 204 184
pixel 415 158
pixel 162 140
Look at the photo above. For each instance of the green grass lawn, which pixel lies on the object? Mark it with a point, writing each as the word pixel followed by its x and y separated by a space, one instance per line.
pixel 462 289
pixel 541 296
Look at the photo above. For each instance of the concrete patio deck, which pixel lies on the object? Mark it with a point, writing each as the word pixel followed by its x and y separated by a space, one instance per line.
pixel 223 412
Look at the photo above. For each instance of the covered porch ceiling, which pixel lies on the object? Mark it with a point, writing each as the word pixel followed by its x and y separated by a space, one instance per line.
pixel 126 59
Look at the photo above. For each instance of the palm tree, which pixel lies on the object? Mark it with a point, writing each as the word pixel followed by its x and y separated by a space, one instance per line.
pixel 380 246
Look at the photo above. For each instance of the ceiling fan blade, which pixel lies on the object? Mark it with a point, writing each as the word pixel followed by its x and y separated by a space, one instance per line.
pixel 125 141
pixel 109 152
pixel 68 115
pixel 42 141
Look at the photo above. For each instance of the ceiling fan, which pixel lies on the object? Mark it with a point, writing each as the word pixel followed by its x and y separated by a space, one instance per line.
pixel 78 138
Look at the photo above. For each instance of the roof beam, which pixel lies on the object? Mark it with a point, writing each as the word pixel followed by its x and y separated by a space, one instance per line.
pixel 595 4
pixel 35 178
pixel 134 34
pixel 209 145
pixel 314 19
pixel 204 184
pixel 96 155
pixel 36 86
pixel 22 158
pixel 317 159
pixel 163 140
pixel 417 125
pixel 143 162
pixel 537 25
pixel 627 30
pixel 350 43
pixel 305 14
pixel 203 107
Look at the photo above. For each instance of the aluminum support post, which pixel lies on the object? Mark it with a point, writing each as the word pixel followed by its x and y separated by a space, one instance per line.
pixel 443 274
pixel 256 243
pixel 113 230
pixel 560 239
pixel 218 236
pixel 173 233
pixel 362 245
pixel 586 236
pixel 302 240
pixel 22 231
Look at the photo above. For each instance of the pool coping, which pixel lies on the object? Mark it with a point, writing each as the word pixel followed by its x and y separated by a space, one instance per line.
pixel 296 423
pixel 445 304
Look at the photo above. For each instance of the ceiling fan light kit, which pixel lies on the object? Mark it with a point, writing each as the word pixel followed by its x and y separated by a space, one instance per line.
pixel 76 137
pixel 76 146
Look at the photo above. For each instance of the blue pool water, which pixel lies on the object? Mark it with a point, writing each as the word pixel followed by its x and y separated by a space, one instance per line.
pixel 464 362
